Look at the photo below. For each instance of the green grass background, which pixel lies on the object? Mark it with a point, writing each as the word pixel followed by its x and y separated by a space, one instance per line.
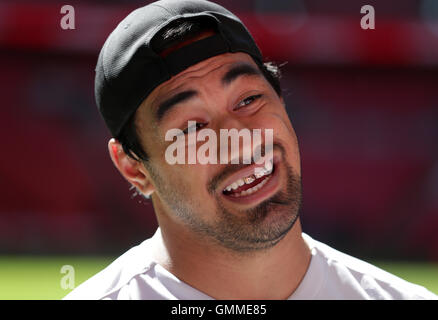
pixel 39 278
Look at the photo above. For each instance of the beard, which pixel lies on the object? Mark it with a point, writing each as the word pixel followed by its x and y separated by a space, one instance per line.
pixel 241 231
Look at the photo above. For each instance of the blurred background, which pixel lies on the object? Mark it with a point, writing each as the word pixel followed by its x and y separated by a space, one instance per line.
pixel 364 104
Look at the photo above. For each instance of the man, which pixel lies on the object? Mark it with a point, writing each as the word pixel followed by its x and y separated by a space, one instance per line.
pixel 227 230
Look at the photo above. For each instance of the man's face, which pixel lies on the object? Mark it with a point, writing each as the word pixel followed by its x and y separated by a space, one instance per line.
pixel 224 92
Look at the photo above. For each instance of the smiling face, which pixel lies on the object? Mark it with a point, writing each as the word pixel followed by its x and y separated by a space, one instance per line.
pixel 223 203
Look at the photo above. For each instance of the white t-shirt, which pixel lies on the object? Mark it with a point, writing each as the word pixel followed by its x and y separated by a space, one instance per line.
pixel 331 275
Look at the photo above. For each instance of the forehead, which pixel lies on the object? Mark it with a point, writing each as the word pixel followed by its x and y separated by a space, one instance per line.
pixel 207 70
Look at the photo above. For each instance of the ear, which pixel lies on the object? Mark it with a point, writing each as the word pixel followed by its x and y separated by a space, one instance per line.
pixel 132 170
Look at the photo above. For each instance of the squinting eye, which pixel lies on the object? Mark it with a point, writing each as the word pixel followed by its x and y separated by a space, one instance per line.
pixel 198 126
pixel 247 101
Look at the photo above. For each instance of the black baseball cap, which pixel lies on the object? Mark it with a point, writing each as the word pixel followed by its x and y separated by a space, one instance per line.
pixel 128 68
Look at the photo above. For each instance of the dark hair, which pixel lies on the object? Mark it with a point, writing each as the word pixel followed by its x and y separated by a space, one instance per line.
pixel 174 34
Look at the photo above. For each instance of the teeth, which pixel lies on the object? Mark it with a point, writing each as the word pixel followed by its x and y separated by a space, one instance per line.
pixel 258 173
pixel 251 190
pixel 249 179
pixel 268 167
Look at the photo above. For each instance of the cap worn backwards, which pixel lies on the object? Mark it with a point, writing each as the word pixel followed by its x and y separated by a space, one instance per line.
pixel 128 68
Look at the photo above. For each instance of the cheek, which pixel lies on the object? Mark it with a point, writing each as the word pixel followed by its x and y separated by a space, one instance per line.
pixel 186 188
pixel 284 118
pixel 284 134
pixel 279 122
pixel 189 180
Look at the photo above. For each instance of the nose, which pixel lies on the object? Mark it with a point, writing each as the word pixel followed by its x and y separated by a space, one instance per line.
pixel 239 142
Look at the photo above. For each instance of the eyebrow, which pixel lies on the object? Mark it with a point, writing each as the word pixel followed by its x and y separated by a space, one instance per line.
pixel 165 106
pixel 237 70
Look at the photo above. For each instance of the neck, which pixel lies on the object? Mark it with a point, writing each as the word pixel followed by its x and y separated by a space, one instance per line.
pixel 272 273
